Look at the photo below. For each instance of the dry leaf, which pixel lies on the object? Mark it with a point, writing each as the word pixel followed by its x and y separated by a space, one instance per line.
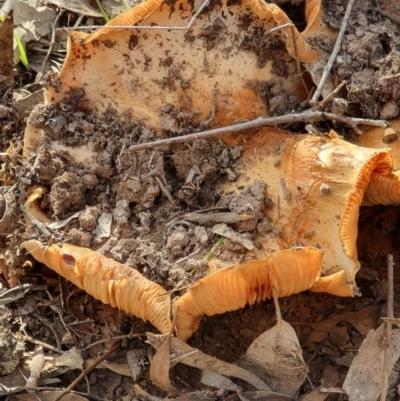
pixel 159 368
pixel 218 381
pixel 363 320
pixel 71 359
pixel 135 359
pixel 364 378
pixel 330 376
pixel 184 353
pixel 276 357
pixel 315 395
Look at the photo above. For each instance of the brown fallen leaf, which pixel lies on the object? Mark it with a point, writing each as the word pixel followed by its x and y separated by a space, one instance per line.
pixel 363 320
pixel 159 368
pixel 216 380
pixel 135 358
pixel 183 353
pixel 276 357
pixel 71 359
pixel 315 395
pixel 364 378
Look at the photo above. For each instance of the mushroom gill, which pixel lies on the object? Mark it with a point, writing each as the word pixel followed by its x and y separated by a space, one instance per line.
pixel 290 271
pixel 107 280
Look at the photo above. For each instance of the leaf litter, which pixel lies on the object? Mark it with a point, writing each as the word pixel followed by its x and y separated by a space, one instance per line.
pixel 151 208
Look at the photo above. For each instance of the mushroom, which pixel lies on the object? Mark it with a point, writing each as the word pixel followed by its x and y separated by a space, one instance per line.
pixel 317 188
pixel 211 71
pixel 289 272
pixel 107 280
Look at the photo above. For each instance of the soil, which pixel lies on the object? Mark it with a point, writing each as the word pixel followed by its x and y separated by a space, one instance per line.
pixel 151 194
pixel 369 60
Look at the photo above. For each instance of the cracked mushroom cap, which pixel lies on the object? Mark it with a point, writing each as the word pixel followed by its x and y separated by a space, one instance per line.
pixel 154 73
pixel 316 185
pixel 107 280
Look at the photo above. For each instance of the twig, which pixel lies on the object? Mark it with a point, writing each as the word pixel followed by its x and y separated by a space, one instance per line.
pixel 214 218
pixel 334 53
pixel 323 102
pixel 388 328
pixel 390 17
pixel 277 307
pixel 305 117
pixel 18 389
pixel 285 191
pixel 165 190
pixel 213 110
pixel 50 326
pixel 116 338
pixel 41 343
pixel 35 222
pixel 189 256
pixel 53 39
pixel 84 373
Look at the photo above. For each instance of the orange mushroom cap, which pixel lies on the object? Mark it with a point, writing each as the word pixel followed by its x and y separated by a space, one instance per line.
pixel 107 280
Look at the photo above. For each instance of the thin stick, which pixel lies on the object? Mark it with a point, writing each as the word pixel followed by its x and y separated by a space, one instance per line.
pixel 35 222
pixel 323 102
pixel 116 338
pixel 277 307
pixel 53 39
pixel 390 17
pixel 305 117
pixel 388 328
pixel 334 53
pixel 213 110
pixel 19 389
pixel 44 345
pixel 84 373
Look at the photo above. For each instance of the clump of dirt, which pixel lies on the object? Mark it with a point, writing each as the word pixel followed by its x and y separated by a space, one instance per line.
pixel 147 193
pixel 276 97
pixel 369 59
pixel 267 46
pixel 67 193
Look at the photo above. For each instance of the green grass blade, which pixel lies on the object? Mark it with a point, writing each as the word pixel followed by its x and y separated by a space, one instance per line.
pixel 22 53
pixel 126 4
pixel 103 13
